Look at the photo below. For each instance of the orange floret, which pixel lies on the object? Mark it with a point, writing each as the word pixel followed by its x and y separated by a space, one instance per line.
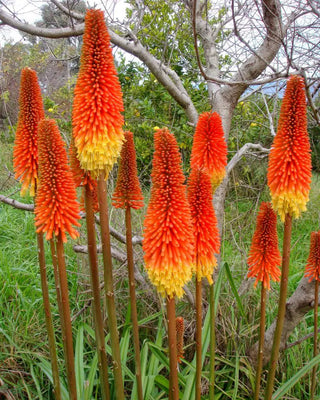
pixel 289 171
pixel 25 152
pixel 313 263
pixel 264 256
pixel 128 191
pixel 168 239
pixel 209 148
pixel 56 207
pixel 96 118
pixel 204 221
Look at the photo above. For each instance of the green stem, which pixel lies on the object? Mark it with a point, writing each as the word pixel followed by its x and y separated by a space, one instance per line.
pixel 212 344
pixel 95 284
pixel 48 317
pixel 198 337
pixel 172 342
pixel 133 301
pixel 261 340
pixel 109 288
pixel 315 337
pixel 281 307
pixel 66 320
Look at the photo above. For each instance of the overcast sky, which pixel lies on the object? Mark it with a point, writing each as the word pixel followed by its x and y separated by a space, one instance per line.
pixel 29 10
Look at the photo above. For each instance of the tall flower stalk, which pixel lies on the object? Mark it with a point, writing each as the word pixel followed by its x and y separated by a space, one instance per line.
pixel 25 162
pixel 209 152
pixel 128 195
pixel 313 272
pixel 264 259
pixel 98 136
pixel 82 178
pixel 168 240
pixel 207 244
pixel 56 212
pixel 289 178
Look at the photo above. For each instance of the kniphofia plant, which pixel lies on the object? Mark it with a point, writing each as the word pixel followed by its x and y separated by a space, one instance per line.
pixel 25 163
pixel 128 195
pixel 289 178
pixel 168 240
pixel 98 136
pixel 264 260
pixel 56 211
pixel 313 272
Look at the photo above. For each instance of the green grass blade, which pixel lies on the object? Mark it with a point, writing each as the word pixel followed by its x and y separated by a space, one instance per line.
pixel 79 366
pixel 234 291
pixel 292 381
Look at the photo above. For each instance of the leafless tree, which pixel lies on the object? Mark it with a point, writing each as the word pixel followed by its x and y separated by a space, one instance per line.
pixel 263 40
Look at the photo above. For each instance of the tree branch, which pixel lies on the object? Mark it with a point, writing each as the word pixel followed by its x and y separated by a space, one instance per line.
pixel 169 80
pixel 241 152
pixel 16 204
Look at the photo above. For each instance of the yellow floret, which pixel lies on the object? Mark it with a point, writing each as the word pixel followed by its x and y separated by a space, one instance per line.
pixel 170 280
pixel 292 203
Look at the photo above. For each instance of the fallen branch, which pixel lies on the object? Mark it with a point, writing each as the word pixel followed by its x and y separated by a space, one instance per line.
pixel 297 306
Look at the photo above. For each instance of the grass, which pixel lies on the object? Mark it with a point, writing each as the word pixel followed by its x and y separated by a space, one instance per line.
pixel 24 362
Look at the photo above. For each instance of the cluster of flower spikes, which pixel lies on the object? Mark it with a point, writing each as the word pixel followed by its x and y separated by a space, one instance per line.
pixel 83 178
pixel 313 263
pixel 264 255
pixel 209 149
pixel 25 152
pixel 168 240
pixel 57 209
pixel 180 334
pixel 96 118
pixel 204 222
pixel 128 191
pixel 289 170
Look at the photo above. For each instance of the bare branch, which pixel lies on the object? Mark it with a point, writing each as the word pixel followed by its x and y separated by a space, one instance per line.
pixel 16 204
pixel 315 112
pixel 53 33
pixel 67 11
pixel 241 152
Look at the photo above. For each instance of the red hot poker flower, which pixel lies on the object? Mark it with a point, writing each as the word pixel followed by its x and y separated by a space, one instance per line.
pixel 209 148
pixel 168 241
pixel 289 171
pixel 128 191
pixel 56 206
pixel 313 263
pixel 97 120
pixel 264 255
pixel 25 152
pixel 82 178
pixel 205 227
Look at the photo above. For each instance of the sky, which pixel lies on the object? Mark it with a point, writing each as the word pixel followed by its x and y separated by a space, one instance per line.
pixel 29 10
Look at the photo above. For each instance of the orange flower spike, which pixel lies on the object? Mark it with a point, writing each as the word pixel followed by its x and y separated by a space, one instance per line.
pixel 82 178
pixel 205 226
pixel 289 170
pixel 264 255
pixel 209 148
pixel 97 120
pixel 168 239
pixel 56 207
pixel 180 333
pixel 128 191
pixel 313 263
pixel 25 152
